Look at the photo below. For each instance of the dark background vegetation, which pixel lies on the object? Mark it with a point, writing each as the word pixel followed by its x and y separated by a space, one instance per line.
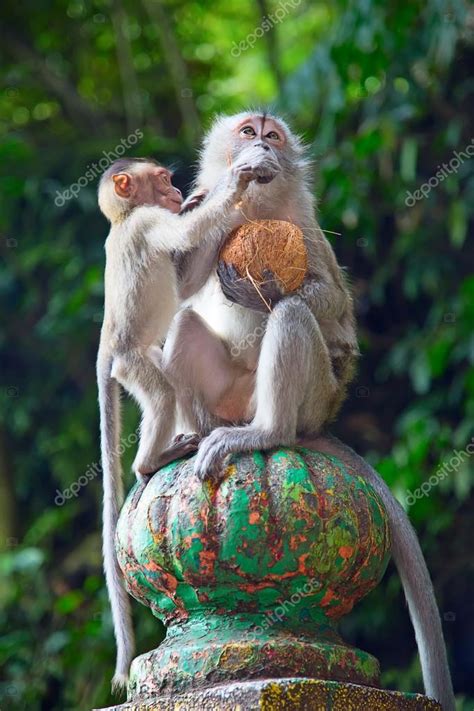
pixel 382 92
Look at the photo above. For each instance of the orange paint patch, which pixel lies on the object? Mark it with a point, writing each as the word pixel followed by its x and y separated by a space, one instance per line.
pixel 166 583
pixel 346 551
pixel 254 517
pixel 341 609
pixel 296 540
pixel 207 560
pixel 188 541
pixel 302 563
pixel 328 598
pixel 255 587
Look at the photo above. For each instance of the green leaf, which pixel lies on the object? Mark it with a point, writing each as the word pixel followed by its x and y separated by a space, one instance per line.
pixel 458 223
pixel 408 158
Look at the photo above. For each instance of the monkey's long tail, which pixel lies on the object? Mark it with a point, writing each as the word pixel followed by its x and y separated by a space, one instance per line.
pixel 415 578
pixel 109 404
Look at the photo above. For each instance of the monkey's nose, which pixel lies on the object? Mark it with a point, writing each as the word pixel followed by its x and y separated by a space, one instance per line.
pixel 179 192
pixel 263 145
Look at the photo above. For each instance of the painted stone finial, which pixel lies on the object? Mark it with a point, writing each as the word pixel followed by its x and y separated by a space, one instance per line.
pixel 250 576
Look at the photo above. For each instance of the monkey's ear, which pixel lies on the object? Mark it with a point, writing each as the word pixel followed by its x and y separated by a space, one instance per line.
pixel 123 184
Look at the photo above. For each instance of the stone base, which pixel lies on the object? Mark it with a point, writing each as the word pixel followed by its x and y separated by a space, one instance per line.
pixel 285 695
pixel 221 649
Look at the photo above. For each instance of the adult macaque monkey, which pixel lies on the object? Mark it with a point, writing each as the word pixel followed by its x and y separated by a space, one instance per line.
pixel 290 383
pixel 141 298
pixel 298 370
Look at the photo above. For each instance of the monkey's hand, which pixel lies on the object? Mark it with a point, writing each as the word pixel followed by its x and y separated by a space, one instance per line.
pixel 240 290
pixel 193 201
pixel 242 173
pixel 265 165
pixel 209 462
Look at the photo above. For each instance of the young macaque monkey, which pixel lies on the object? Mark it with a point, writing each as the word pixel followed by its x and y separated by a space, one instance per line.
pixel 141 298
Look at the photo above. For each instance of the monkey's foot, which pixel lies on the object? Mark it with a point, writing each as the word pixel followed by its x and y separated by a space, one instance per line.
pixel 182 445
pixel 187 438
pixel 143 479
pixel 226 440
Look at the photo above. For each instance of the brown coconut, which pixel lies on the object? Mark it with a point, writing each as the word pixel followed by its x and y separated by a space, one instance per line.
pixel 268 245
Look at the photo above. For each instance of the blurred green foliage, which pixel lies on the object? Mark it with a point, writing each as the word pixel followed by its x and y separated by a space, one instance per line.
pixel 383 93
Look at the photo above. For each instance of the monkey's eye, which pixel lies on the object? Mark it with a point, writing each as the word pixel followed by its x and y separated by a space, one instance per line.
pixel 273 135
pixel 248 131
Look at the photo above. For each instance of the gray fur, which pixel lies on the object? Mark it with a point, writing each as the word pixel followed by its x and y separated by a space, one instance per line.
pixel 109 403
pixel 298 388
pixel 302 365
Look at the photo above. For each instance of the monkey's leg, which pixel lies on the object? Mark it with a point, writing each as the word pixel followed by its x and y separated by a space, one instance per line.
pixel 156 399
pixel 198 364
pixel 295 387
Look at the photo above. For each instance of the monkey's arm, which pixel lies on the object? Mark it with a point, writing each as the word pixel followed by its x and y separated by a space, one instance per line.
pixel 325 298
pixel 194 267
pixel 208 224
pixel 324 289
pixel 210 220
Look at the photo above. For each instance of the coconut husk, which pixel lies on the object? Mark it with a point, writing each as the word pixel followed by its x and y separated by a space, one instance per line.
pixel 276 246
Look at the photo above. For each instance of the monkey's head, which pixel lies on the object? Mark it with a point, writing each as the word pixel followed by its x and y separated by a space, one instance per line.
pixel 131 182
pixel 266 141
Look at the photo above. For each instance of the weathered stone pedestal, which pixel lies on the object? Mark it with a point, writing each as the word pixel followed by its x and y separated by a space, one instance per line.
pixel 286 695
pixel 250 578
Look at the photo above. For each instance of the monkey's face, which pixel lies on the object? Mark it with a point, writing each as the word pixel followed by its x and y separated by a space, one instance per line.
pixel 262 139
pixel 159 190
pixel 150 185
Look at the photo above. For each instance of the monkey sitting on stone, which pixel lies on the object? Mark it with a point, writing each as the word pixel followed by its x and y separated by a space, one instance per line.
pixel 141 297
pixel 298 367
pixel 288 381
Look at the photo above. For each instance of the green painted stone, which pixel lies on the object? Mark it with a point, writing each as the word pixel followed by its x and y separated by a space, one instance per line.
pixel 250 576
